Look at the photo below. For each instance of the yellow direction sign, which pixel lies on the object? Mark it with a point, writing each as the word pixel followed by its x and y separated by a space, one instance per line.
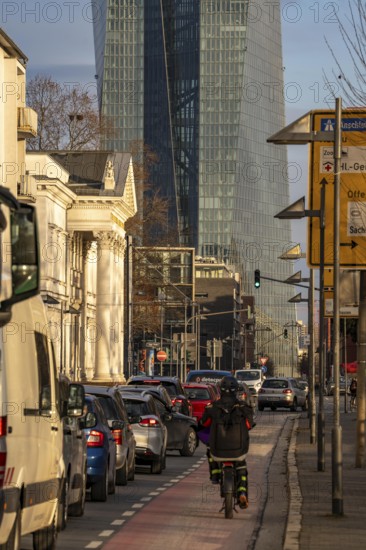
pixel 352 189
pixel 349 292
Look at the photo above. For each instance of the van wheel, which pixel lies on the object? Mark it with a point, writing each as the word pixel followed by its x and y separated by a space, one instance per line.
pixel 13 542
pixel 62 508
pixel 121 475
pixel 77 509
pixel 45 539
pixel 99 490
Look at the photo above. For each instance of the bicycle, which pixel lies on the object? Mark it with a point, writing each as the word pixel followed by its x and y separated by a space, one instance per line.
pixel 352 402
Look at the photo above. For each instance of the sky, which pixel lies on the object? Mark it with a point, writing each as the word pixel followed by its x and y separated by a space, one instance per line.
pixel 57 38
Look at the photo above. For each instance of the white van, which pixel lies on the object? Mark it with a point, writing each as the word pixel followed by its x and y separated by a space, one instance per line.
pixel 31 430
pixel 252 377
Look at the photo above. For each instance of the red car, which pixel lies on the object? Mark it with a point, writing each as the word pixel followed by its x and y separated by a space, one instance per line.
pixel 200 395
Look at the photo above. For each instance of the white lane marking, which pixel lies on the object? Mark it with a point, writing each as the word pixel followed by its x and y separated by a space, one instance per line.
pixel 106 533
pixel 118 522
pixel 138 505
pixel 94 544
pixel 161 489
pixel 147 499
pixel 154 493
pixel 168 484
pixel 128 513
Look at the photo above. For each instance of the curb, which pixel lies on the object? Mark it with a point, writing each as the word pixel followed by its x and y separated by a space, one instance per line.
pixel 294 518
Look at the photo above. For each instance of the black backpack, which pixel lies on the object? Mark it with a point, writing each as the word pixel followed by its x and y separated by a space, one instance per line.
pixel 230 437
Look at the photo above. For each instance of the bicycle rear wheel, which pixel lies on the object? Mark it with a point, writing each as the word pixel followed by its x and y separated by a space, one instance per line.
pixel 229 505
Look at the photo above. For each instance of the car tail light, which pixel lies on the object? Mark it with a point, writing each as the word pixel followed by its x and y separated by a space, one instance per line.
pixel 287 391
pixel 117 436
pixel 2 468
pixel 149 422
pixel 3 425
pixel 95 439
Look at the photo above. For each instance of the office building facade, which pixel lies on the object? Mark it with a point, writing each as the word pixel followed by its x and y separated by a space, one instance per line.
pixel 201 83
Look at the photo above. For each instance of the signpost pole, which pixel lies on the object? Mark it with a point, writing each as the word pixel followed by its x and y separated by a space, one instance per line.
pixel 337 486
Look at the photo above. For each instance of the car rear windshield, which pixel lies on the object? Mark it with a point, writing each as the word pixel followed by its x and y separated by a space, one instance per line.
pixel 109 407
pixel 198 394
pixel 135 409
pixel 275 384
pixel 248 375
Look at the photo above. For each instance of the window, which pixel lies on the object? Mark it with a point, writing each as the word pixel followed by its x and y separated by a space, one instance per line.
pixel 44 375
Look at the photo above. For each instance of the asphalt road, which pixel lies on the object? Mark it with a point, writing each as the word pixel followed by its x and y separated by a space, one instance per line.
pixel 264 521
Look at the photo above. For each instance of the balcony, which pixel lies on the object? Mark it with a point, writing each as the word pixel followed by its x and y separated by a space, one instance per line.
pixel 27 123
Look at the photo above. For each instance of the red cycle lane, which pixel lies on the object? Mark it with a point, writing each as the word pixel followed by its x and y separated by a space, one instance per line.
pixel 187 516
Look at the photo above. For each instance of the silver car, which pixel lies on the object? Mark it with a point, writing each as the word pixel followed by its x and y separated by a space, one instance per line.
pixel 150 432
pixel 281 392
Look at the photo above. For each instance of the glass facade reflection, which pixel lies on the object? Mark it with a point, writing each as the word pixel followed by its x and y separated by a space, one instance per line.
pixel 201 82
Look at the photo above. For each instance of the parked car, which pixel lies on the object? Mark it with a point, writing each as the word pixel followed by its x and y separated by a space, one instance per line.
pixel 181 428
pixel 74 454
pixel 150 432
pixel 200 395
pixel 281 392
pixel 101 451
pixel 116 414
pixel 174 387
pixel 329 389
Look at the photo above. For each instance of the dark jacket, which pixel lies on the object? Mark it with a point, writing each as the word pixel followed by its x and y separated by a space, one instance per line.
pixel 230 422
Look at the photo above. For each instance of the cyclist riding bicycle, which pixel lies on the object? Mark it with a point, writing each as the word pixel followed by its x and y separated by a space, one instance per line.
pixel 230 421
pixel 353 391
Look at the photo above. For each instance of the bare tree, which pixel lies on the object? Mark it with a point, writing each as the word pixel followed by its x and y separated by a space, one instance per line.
pixel 67 117
pixel 150 226
pixel 351 80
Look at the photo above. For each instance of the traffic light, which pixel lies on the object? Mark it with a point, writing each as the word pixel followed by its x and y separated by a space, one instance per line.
pixel 285 334
pixel 257 278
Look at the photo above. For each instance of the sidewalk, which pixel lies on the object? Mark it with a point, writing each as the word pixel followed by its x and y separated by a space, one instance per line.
pixel 311 524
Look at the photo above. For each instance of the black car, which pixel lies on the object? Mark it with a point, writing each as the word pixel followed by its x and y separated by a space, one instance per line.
pixel 172 384
pixel 116 414
pixel 181 428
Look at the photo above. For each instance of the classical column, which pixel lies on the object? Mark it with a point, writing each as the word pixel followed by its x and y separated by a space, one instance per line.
pixel 85 362
pixel 104 301
pixel 118 313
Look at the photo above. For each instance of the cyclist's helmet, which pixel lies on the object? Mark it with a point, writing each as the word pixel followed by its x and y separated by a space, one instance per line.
pixel 229 384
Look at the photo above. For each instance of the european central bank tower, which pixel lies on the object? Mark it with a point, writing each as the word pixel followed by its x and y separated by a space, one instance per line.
pixel 201 83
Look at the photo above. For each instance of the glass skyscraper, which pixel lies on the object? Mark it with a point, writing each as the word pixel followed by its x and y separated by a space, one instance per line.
pixel 201 83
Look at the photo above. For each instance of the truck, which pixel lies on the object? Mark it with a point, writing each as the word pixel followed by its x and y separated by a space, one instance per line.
pixel 32 470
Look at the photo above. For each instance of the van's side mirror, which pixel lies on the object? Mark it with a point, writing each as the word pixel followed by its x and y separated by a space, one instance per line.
pixel 19 254
pixel 76 401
